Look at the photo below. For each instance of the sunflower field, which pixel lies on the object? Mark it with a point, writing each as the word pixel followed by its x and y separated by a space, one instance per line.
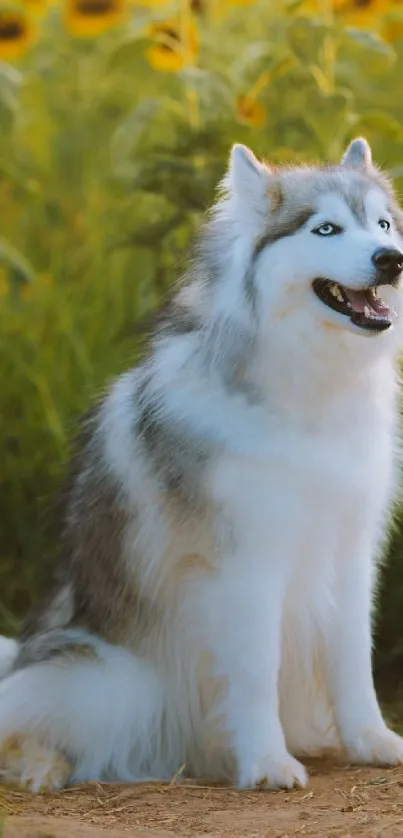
pixel 116 119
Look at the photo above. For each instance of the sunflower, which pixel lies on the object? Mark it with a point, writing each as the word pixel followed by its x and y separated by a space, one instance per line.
pixel 197 6
pixel 360 12
pixel 217 9
pixel 35 8
pixel 355 12
pixel 16 34
pixel 150 4
pixel 173 45
pixel 250 112
pixel 89 18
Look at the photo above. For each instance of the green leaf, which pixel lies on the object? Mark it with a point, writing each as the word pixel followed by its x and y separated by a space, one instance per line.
pixel 127 55
pixel 305 37
pixel 369 40
pixel 21 269
pixel 127 135
pixel 211 88
pixel 382 123
pixel 329 116
pixel 365 53
pixel 10 84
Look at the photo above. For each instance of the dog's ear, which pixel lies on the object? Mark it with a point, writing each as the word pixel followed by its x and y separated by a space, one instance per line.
pixel 358 155
pixel 247 178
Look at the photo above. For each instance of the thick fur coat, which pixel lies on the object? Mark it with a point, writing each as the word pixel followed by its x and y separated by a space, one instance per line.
pixel 227 508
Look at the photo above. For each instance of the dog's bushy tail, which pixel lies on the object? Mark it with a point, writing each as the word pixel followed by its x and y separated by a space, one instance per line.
pixel 8 654
pixel 97 704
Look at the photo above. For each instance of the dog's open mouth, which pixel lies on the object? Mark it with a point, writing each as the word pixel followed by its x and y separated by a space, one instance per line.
pixel 365 308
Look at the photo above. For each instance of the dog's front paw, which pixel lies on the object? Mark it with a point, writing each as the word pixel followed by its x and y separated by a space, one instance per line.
pixel 32 765
pixel 376 746
pixel 282 772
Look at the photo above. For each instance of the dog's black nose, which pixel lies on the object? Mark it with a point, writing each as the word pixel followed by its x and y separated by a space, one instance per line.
pixel 388 262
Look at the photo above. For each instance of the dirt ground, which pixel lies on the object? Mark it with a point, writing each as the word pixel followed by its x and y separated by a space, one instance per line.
pixel 341 801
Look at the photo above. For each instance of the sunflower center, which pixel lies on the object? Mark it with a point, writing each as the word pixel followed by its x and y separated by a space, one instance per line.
pixel 11 29
pixel 95 7
pixel 246 108
pixel 170 34
pixel 345 6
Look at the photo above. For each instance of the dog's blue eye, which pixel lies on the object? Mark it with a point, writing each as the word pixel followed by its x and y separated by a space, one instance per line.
pixel 384 225
pixel 327 229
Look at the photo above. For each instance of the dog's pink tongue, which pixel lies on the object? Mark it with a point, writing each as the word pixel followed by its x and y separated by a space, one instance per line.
pixel 359 299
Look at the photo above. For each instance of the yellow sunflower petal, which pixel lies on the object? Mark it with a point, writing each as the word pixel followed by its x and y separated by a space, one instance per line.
pixel 167 61
pixel 360 12
pixel 16 34
pixel 89 18
pixel 35 8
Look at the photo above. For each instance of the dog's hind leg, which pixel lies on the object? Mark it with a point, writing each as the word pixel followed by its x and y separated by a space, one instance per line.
pixel 90 712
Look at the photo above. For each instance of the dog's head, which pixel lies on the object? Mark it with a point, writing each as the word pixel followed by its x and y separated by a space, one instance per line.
pixel 326 242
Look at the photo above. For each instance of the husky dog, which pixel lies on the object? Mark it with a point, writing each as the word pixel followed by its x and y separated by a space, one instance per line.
pixel 227 508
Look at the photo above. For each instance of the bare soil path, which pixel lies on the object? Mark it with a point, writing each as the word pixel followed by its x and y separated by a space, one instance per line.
pixel 341 801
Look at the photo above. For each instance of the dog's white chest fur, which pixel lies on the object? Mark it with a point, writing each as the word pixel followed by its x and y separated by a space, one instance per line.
pixel 307 509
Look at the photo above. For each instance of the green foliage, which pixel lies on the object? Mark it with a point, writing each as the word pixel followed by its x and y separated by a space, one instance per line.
pixel 106 166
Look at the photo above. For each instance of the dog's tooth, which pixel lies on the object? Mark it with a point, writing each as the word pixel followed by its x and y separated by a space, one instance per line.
pixel 335 291
pixel 367 312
